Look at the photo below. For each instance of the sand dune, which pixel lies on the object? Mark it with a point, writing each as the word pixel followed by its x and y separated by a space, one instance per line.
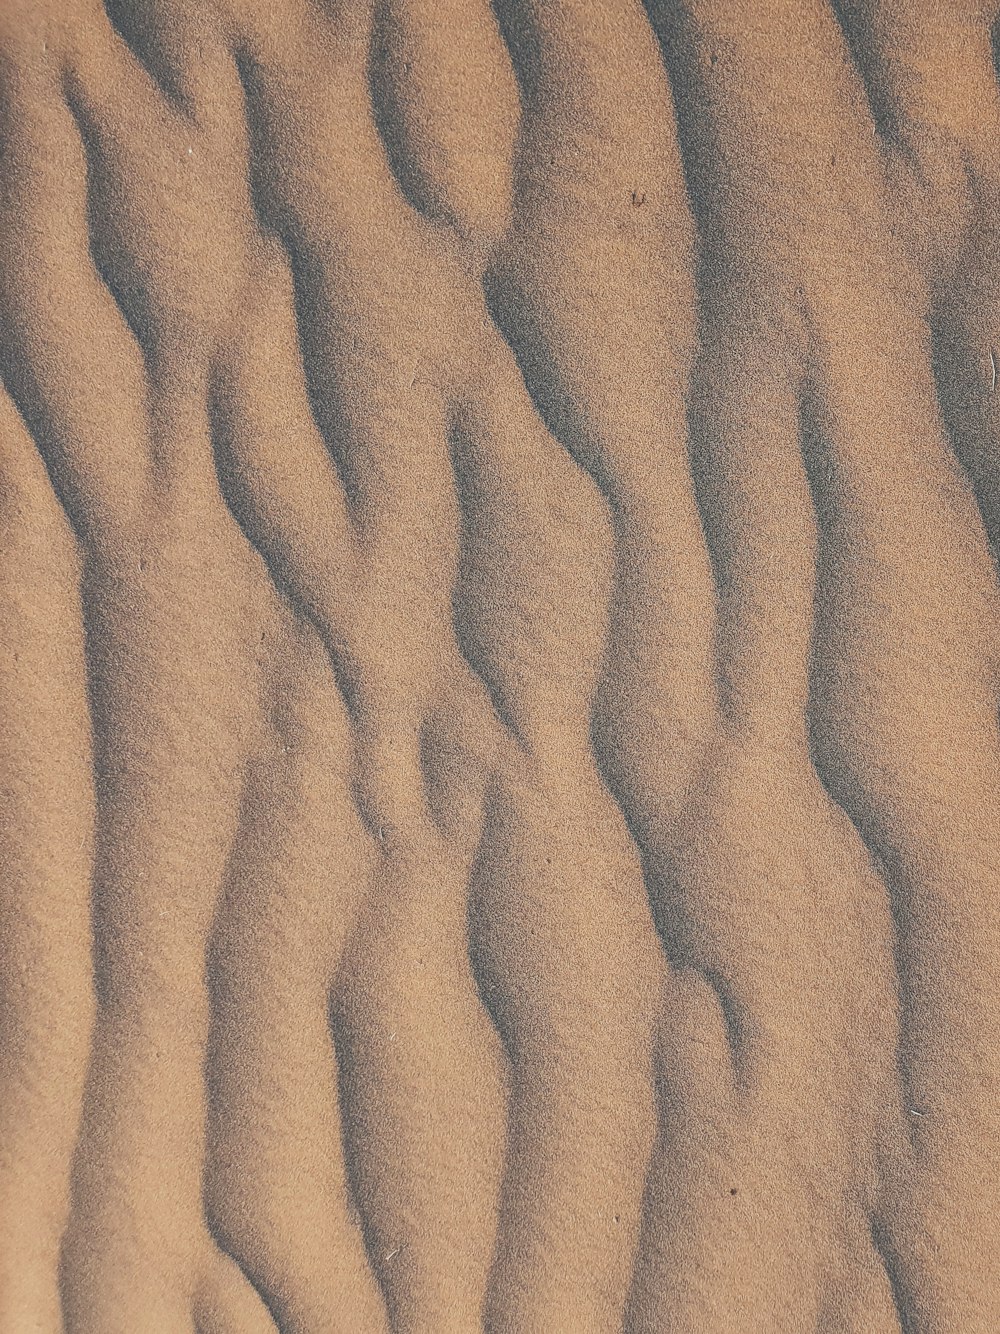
pixel 499 747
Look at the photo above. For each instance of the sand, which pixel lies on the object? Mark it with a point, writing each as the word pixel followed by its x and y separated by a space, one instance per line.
pixel 499 758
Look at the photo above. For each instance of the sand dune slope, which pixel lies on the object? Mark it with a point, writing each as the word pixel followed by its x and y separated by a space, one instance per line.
pixel 499 758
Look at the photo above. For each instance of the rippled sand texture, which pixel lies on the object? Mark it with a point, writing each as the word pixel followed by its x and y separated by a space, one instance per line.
pixel 499 751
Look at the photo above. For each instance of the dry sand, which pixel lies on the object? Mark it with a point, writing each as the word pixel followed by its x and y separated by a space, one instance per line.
pixel 499 764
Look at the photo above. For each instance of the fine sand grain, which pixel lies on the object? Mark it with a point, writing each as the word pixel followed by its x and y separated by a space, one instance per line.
pixel 499 758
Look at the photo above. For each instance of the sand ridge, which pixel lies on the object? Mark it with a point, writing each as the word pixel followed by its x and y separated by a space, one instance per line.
pixel 498 738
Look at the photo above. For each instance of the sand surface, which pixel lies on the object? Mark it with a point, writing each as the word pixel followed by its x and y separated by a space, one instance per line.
pixel 499 762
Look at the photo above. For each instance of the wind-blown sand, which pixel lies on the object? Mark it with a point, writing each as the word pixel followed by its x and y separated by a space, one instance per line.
pixel 499 759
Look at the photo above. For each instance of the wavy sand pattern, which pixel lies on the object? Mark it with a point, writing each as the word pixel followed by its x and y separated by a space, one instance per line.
pixel 499 752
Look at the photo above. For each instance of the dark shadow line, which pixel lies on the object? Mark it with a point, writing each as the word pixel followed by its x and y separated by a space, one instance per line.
pixel 212 985
pixel 696 141
pixel 131 301
pixel 902 1298
pixel 522 49
pixel 835 780
pixel 31 416
pixel 667 911
pixel 270 218
pixel 388 120
pixel 236 494
pixel 127 25
pixel 465 637
pixel 467 648
pixel 489 994
pixel 488 981
pixel 343 1053
pixel 853 18
pixel 266 1300
pixel 962 418
pixel 18 379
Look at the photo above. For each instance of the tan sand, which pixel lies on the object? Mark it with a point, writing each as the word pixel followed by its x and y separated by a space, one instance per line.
pixel 499 758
